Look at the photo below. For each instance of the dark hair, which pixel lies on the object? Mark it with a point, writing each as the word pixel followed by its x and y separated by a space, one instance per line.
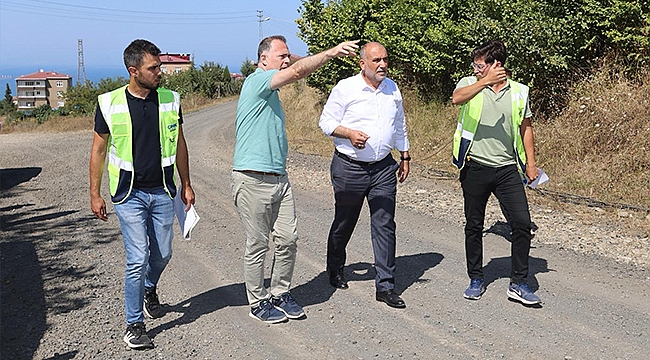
pixel 491 50
pixel 265 44
pixel 136 50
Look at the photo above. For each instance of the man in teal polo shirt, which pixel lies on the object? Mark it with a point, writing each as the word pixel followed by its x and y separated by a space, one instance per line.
pixel 260 186
pixel 493 144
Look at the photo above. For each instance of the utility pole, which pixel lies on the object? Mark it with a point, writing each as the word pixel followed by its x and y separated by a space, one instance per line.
pixel 260 20
pixel 81 69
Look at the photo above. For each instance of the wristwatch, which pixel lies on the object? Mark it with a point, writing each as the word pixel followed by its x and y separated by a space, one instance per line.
pixel 408 158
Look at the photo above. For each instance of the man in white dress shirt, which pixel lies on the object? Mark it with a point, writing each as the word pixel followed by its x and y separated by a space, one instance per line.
pixel 364 115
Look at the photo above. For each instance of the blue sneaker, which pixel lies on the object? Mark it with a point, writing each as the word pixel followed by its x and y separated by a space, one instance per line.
pixel 268 313
pixel 288 306
pixel 521 292
pixel 475 289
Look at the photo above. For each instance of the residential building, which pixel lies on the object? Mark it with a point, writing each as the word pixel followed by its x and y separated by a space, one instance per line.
pixel 174 63
pixel 42 87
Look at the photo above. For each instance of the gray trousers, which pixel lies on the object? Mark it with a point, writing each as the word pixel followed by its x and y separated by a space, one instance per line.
pixel 265 205
pixel 353 182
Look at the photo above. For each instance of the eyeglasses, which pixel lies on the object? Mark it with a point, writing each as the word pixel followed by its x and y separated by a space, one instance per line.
pixel 479 67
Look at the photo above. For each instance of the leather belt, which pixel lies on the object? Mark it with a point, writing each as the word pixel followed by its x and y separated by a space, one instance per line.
pixel 354 161
pixel 259 172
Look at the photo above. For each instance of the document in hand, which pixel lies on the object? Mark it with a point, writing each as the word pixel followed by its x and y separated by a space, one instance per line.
pixel 186 219
pixel 542 178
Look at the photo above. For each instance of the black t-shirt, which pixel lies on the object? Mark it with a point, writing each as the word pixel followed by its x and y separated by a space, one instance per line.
pixel 146 138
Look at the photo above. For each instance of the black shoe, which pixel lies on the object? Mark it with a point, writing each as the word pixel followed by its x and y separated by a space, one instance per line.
pixel 152 307
pixel 136 337
pixel 391 299
pixel 337 280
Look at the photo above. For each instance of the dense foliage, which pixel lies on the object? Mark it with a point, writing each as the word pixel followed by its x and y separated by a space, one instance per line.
pixel 210 80
pixel 81 99
pixel 429 41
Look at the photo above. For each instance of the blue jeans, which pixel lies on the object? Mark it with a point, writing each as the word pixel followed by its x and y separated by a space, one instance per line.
pixel 146 219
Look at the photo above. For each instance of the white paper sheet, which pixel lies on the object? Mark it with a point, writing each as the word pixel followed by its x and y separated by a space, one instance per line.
pixel 186 219
pixel 542 178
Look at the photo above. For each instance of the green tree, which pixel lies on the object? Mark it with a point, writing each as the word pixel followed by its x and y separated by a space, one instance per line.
pixel 7 104
pixel 81 99
pixel 549 42
pixel 42 113
pixel 247 67
pixel 226 75
pixel 183 82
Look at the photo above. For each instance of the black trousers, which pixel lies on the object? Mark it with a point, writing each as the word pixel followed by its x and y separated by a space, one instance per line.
pixel 478 182
pixel 353 182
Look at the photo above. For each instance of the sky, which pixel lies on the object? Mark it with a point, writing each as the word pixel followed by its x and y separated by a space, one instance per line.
pixel 37 34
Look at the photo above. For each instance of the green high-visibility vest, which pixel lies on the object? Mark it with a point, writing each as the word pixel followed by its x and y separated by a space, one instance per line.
pixel 470 116
pixel 115 109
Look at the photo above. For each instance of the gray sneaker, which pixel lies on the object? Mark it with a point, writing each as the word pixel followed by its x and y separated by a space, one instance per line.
pixel 288 306
pixel 521 292
pixel 136 337
pixel 152 307
pixel 475 289
pixel 265 311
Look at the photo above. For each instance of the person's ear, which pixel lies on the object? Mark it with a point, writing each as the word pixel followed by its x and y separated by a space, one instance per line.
pixel 133 71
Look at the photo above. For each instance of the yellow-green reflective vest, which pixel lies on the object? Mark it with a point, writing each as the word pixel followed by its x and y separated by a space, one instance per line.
pixel 470 115
pixel 115 109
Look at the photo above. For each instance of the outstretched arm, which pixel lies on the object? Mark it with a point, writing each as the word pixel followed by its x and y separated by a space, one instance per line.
pixel 308 64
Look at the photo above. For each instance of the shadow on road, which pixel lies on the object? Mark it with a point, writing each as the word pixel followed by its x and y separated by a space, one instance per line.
pixel 33 265
pixel 499 268
pixel 410 269
pixel 22 297
pixel 15 176
pixel 203 304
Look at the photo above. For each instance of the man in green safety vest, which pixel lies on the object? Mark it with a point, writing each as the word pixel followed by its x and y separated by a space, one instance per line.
pixel 494 148
pixel 140 127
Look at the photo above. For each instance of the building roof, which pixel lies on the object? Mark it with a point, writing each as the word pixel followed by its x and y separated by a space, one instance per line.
pixel 44 75
pixel 175 58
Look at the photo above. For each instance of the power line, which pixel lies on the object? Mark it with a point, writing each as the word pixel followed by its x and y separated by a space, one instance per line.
pixel 121 11
pixel 120 17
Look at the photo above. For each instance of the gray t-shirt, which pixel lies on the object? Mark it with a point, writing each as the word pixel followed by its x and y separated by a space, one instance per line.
pixel 493 140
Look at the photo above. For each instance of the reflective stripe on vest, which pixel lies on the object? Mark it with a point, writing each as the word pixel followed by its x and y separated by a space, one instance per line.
pixel 470 116
pixel 115 109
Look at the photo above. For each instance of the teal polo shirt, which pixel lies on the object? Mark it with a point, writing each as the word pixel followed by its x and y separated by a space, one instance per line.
pixel 261 138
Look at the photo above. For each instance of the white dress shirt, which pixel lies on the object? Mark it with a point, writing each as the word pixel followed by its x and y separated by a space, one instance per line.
pixel 379 113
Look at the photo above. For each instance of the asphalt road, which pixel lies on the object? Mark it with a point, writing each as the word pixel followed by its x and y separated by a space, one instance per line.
pixel 62 275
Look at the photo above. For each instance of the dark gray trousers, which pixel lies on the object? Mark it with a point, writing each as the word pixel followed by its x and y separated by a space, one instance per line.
pixel 352 182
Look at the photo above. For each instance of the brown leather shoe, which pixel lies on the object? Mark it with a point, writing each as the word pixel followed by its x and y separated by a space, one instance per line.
pixel 391 299
pixel 337 280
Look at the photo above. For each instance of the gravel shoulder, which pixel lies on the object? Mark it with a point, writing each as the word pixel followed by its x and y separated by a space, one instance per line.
pixel 62 270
